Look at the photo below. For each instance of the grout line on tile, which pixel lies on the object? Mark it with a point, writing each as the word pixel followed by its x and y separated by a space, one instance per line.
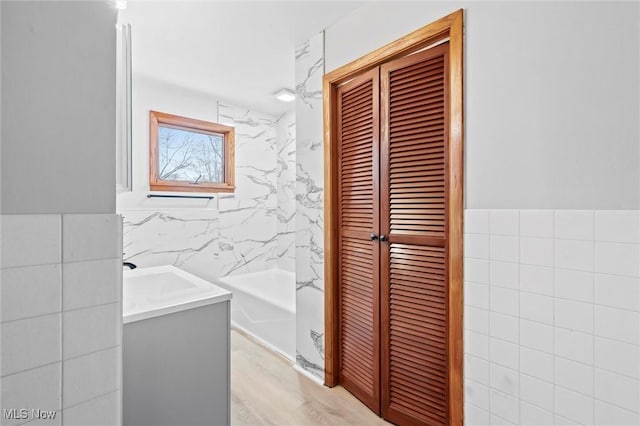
pixel 82 308
pixel 551 267
pixel 556 297
pixel 489 317
pixel 92 399
pixel 30 266
pixel 498 391
pixel 97 259
pixel 62 281
pixel 553 286
pixel 593 370
pixel 31 369
pixel 120 282
pixel 93 260
pixel 48 314
pixel 108 348
pixel 39 421
pixel 554 385
pixel 479 408
pixel 596 305
pixel 477 233
pixel 555 355
pixel 550 325
pixel 571 422
pixel 629 243
pixel 519 316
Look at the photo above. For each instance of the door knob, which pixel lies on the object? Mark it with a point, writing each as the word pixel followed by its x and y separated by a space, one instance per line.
pixel 373 237
pixel 383 238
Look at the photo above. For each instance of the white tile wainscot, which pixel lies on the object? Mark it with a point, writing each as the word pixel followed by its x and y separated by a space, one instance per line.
pixel 61 316
pixel 552 323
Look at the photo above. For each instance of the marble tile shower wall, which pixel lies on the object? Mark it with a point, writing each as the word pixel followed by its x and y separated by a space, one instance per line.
pixel 287 192
pixel 552 328
pixel 251 229
pixel 61 317
pixel 309 207
pixel 186 238
pixel 248 217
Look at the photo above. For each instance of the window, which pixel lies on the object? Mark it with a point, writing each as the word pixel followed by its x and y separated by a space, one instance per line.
pixel 188 155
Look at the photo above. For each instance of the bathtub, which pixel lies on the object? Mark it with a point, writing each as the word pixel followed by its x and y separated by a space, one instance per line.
pixel 264 306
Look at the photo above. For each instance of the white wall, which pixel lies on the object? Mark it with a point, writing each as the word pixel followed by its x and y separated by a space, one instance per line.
pixel 551 96
pixel 149 94
pixel 0 111
pixel 58 107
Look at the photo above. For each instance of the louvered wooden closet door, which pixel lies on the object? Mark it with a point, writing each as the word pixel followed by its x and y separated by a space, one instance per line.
pixel 359 255
pixel 413 260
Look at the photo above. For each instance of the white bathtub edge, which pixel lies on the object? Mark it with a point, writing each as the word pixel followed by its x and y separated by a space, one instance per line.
pixel 225 283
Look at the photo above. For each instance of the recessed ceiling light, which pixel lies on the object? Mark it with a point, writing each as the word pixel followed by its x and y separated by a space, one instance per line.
pixel 121 4
pixel 285 95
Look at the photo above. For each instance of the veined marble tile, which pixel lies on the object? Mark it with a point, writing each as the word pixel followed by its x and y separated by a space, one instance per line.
pixel 287 251
pixel 248 217
pixel 310 332
pixel 256 149
pixel 235 210
pixel 309 62
pixel 249 125
pixel 309 219
pixel 186 238
pixel 309 261
pixel 286 172
pixel 250 247
pixel 243 234
pixel 286 192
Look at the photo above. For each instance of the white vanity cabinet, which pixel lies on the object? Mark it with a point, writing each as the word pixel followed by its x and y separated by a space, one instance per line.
pixel 176 349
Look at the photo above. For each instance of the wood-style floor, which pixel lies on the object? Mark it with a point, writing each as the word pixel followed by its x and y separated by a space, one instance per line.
pixel 267 390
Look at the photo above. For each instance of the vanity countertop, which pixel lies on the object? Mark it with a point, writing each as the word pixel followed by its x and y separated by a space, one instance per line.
pixel 161 290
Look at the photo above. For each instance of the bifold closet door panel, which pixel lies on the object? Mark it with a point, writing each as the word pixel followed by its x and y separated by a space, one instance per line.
pixel 358 222
pixel 413 215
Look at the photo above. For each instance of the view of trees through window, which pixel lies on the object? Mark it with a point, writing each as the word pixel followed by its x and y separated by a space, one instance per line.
pixel 188 156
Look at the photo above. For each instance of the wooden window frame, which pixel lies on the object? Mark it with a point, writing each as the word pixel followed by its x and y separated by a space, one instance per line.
pixel 448 28
pixel 156 119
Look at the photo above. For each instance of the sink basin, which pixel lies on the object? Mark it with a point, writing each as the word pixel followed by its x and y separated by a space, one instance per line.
pixel 161 290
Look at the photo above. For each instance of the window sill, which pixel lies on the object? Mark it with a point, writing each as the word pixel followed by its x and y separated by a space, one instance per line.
pixel 220 188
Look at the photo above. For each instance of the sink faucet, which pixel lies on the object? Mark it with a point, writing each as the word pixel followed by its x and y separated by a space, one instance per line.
pixel 129 265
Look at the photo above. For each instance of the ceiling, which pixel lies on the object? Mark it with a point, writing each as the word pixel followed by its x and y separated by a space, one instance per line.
pixel 238 51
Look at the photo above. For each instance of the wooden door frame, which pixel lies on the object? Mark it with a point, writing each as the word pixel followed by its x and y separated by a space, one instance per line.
pixel 449 27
